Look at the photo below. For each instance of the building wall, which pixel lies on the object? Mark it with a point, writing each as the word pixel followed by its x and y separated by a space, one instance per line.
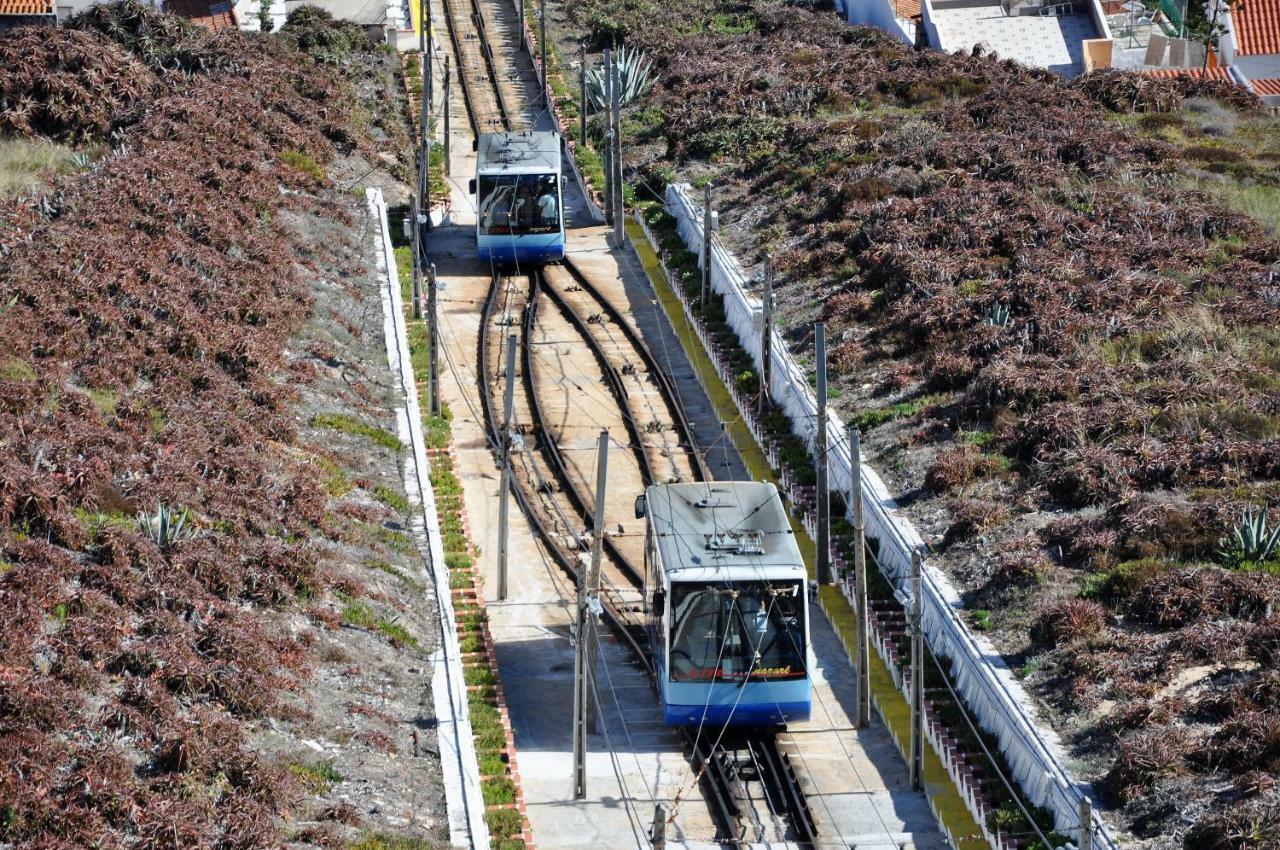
pixel 878 13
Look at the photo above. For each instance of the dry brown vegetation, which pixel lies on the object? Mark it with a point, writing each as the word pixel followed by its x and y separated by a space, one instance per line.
pixel 144 312
pixel 1058 323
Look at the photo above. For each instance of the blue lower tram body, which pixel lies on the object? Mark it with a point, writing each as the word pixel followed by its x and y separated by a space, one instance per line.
pixel 534 248
pixel 764 703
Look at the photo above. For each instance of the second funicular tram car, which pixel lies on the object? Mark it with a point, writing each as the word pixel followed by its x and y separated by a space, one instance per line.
pixel 518 199
pixel 728 608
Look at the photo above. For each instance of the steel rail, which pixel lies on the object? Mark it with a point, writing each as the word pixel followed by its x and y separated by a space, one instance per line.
pixel 549 446
pixel 614 380
pixel 462 70
pixel 565 560
pixel 666 386
pixel 486 50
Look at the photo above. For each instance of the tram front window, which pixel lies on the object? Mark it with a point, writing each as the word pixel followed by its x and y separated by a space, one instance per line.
pixel 736 631
pixel 519 203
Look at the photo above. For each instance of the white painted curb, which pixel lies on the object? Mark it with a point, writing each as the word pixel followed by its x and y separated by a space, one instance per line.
pixel 463 797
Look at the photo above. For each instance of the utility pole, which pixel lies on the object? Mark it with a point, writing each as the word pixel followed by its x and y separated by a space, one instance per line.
pixel 823 494
pixel 585 655
pixel 542 45
pixel 608 141
pixel 424 180
pixel 862 653
pixel 504 489
pixel 766 339
pixel 582 84
pixel 659 835
pixel 917 674
pixel 520 13
pixel 706 244
pixel 417 254
pixel 447 146
pixel 1086 824
pixel 619 196
pixel 433 341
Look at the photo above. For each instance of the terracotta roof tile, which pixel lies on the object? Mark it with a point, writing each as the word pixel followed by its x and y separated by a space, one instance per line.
pixel 213 14
pixel 1270 85
pixel 1193 73
pixel 1257 26
pixel 26 7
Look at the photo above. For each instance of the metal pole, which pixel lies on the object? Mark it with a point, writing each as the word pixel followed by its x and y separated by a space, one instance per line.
pixel 542 45
pixel 433 341
pixel 582 83
pixel 659 835
pixel 608 142
pixel 445 112
pixel 862 659
pixel 584 655
pixel 520 12
pixel 593 586
pixel 424 180
pixel 917 674
pixel 706 243
pixel 505 487
pixel 619 195
pixel 823 494
pixel 417 252
pixel 422 34
pixel 1086 824
pixel 766 339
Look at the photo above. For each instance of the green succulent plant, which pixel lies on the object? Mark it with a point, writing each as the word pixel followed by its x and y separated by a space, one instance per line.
pixel 634 78
pixel 166 525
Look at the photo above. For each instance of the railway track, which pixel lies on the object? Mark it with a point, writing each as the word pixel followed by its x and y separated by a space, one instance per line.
pixel 468 34
pixel 750 787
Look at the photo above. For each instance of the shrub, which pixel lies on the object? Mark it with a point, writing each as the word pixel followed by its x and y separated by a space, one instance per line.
pixel 1144 757
pixel 1069 620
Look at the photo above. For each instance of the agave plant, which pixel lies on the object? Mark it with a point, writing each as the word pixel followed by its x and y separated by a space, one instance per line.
pixel 166 526
pixel 999 315
pixel 633 78
pixel 1251 539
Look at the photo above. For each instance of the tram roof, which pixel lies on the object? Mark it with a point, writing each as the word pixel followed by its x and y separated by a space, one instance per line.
pixel 523 152
pixel 735 526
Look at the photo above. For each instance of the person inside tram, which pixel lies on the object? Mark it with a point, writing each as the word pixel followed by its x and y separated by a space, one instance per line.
pixel 548 207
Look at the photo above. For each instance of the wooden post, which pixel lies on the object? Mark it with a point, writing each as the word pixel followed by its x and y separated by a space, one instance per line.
pixel 706 244
pixel 416 247
pixel 445 112
pixel 582 84
pixel 1086 824
pixel 862 653
pixel 619 195
pixel 433 343
pixel 823 495
pixel 542 46
pixel 504 494
pixel 766 340
pixel 608 142
pixel 917 673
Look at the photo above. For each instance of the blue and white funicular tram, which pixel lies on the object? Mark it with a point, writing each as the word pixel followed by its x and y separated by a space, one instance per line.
pixel 518 199
pixel 728 611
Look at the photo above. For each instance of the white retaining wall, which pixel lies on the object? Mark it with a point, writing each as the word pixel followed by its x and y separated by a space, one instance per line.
pixel 992 693
pixel 463 797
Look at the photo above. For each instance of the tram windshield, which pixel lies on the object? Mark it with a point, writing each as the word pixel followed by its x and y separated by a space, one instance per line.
pixel 519 203
pixel 736 631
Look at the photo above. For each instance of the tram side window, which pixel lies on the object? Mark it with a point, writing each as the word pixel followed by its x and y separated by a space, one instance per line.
pixel 744 630
pixel 520 203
